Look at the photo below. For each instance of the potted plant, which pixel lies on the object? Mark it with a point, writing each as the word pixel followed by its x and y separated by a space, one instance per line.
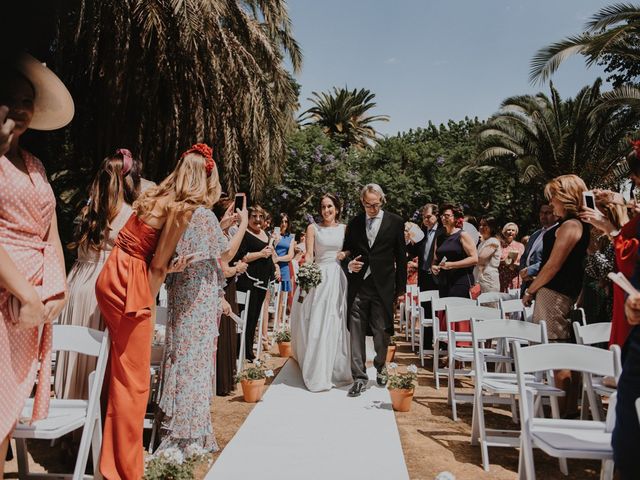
pixel 252 378
pixel 391 349
pixel 283 339
pixel 401 386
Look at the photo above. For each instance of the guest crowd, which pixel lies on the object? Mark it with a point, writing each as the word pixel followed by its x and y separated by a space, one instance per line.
pixel 133 236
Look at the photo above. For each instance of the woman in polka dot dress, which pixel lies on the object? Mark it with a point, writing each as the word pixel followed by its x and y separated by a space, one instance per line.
pixel 31 258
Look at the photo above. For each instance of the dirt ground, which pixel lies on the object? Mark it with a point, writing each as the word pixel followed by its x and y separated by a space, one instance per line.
pixel 432 442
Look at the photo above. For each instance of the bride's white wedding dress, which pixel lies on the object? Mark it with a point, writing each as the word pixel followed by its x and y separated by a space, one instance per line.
pixel 319 336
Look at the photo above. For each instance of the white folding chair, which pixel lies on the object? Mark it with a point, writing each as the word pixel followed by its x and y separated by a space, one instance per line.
pixel 457 314
pixel 163 297
pixel 562 438
pixel 157 376
pixel 493 297
pixel 424 323
pixel 411 314
pixel 68 415
pixel 592 386
pixel 242 298
pixel 514 309
pixel 440 305
pixel 491 387
pixel 514 292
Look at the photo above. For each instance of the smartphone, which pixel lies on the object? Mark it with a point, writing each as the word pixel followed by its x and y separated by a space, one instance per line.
pixel 444 259
pixel 238 203
pixel 589 200
pixel 276 230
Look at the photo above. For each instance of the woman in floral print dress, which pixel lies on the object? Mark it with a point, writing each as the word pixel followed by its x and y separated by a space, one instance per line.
pixel 196 303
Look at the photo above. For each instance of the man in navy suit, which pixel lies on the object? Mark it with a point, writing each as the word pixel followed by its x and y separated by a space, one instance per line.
pixel 532 255
pixel 424 250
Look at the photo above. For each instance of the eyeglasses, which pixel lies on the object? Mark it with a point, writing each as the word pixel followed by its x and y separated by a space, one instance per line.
pixel 447 215
pixel 371 205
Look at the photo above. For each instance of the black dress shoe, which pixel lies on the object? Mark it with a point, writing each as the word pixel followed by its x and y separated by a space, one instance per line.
pixel 382 377
pixel 357 388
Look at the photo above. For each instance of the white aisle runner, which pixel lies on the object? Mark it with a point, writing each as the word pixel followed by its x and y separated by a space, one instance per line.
pixel 295 434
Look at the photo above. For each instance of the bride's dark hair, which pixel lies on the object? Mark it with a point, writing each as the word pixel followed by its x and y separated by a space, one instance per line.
pixel 336 203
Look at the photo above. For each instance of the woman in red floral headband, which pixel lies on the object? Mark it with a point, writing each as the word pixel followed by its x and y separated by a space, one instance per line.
pixel 126 290
pixel 196 303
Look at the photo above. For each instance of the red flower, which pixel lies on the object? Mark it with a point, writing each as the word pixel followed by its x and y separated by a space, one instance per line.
pixel 206 151
pixel 636 147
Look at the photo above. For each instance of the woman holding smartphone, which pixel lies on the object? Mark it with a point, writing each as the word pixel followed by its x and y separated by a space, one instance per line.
pixel 196 302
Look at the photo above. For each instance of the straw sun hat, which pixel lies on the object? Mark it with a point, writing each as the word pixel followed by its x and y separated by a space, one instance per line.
pixel 53 105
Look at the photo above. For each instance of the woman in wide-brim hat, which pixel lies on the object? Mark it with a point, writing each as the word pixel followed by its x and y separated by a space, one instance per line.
pixel 32 273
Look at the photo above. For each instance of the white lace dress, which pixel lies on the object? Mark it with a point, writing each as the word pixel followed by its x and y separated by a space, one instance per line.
pixel 319 336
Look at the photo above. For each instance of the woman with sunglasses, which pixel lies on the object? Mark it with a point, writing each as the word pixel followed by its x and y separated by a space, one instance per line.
pixel 257 251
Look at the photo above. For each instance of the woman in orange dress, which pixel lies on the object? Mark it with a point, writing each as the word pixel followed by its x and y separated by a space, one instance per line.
pixel 31 258
pixel 126 290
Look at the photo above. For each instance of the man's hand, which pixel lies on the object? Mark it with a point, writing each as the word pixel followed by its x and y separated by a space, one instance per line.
pixel 632 309
pixel 356 265
pixel 6 130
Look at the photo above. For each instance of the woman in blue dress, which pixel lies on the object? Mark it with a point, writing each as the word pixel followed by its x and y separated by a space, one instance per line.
pixel 285 251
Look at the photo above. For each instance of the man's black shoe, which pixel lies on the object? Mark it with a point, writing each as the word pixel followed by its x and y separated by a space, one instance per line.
pixel 382 377
pixel 357 388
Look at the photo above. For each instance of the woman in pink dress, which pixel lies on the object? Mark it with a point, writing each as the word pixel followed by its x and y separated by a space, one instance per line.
pixel 31 259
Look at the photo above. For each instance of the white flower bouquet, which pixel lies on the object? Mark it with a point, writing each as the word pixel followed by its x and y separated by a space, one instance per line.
pixel 175 464
pixel 309 276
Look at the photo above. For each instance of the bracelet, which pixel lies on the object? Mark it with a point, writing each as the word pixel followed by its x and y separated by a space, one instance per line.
pixel 614 233
pixel 527 292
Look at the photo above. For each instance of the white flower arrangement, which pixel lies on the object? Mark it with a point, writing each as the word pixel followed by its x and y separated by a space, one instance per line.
pixel 173 463
pixel 255 371
pixel 309 276
pixel 404 381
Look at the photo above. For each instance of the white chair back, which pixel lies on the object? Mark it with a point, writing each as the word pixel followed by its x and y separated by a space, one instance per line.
pixel 493 297
pixel 508 329
pixel 514 309
pixel 428 295
pixel 593 333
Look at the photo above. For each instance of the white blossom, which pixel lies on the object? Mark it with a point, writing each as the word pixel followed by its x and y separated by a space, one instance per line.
pixel 172 455
pixel 257 363
pixel 445 476
pixel 393 365
pixel 412 369
pixel 268 373
pixel 194 450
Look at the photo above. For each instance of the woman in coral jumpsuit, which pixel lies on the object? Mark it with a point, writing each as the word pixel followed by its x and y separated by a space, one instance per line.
pixel 31 259
pixel 126 291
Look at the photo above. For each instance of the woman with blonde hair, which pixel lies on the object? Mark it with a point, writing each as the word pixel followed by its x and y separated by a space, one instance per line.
pixel 113 190
pixel 126 290
pixel 196 303
pixel 512 250
pixel 556 288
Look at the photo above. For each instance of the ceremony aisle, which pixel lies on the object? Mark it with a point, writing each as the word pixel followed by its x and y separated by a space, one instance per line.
pixel 295 434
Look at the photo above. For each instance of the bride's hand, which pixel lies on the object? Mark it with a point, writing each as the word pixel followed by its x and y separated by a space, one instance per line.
pixel 341 256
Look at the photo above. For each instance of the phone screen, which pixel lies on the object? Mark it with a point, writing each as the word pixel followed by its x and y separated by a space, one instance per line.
pixel 589 201
pixel 238 202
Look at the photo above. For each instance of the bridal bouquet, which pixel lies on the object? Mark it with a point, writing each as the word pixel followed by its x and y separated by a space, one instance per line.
pixel 309 276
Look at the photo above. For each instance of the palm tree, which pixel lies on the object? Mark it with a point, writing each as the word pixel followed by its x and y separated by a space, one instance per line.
pixel 614 30
pixel 547 136
pixel 157 76
pixel 342 114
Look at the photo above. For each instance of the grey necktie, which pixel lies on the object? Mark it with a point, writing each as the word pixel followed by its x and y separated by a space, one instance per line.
pixel 370 235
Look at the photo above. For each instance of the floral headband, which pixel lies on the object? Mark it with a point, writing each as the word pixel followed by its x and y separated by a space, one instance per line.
pixel 127 160
pixel 206 151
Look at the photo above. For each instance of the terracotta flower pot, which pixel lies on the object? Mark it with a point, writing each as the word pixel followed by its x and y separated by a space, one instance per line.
pixel 252 390
pixel 284 348
pixel 401 399
pixel 391 352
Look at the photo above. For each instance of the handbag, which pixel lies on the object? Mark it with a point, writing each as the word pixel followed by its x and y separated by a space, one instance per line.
pixel 474 291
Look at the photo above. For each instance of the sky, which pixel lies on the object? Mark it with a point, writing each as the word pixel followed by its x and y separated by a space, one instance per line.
pixel 429 60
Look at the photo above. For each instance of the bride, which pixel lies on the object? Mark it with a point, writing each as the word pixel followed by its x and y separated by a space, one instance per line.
pixel 319 336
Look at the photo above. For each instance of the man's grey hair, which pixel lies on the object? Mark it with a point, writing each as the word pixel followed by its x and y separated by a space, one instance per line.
pixel 373 188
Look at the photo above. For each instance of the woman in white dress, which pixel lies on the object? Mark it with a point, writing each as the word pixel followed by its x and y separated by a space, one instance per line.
pixel 319 336
pixel 489 252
